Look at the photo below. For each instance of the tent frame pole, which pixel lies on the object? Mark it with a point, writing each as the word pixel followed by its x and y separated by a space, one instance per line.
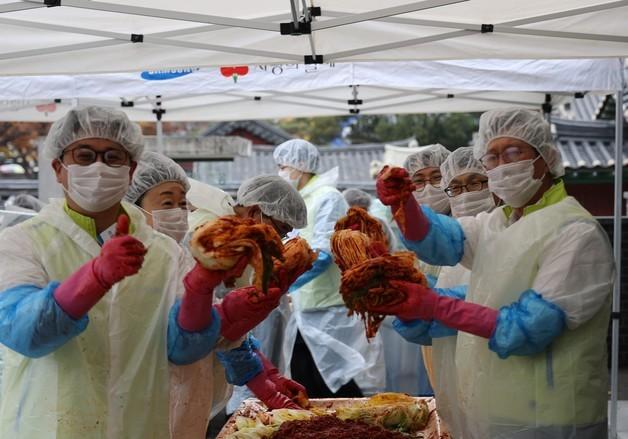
pixel 617 232
pixel 168 14
pixel 382 13
pixel 18 6
pixel 122 38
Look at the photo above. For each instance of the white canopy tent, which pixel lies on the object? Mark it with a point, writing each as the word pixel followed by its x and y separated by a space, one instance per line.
pixel 42 37
pixel 297 90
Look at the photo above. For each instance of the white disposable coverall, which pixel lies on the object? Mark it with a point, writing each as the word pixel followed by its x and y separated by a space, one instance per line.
pixel 111 380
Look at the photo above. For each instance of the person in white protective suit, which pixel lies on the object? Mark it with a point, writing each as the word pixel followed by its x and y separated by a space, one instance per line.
pixel 199 390
pixel 88 312
pixel 405 371
pixel 423 167
pixel 424 170
pixel 327 351
pixel 17 208
pixel 466 184
pixel 531 353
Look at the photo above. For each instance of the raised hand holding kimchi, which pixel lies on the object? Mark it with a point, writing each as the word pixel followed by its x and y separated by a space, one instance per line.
pixel 219 245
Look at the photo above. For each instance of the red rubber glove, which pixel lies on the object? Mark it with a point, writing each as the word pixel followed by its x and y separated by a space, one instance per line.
pixel 423 303
pixel 195 312
pixel 120 257
pixel 284 279
pixel 286 386
pixel 267 392
pixel 243 309
pixel 389 190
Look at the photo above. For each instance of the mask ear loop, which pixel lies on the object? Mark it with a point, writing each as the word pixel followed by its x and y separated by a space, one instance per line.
pixel 545 173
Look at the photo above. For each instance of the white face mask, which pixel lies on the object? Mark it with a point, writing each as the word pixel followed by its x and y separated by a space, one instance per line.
pixel 97 187
pixel 171 222
pixel 285 174
pixel 434 197
pixel 514 182
pixel 471 203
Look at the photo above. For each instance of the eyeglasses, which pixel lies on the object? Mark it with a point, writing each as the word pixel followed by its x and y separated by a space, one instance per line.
pixel 434 181
pixel 509 155
pixel 454 191
pixel 85 156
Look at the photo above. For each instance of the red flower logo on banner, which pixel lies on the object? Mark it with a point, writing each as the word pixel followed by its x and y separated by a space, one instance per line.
pixel 46 108
pixel 234 72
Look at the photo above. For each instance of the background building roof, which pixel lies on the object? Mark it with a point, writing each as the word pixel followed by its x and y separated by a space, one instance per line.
pixel 267 132
pixel 587 145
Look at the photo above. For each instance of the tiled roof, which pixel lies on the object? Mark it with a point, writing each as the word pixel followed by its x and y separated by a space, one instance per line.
pixel 353 161
pixel 583 145
pixel 588 145
pixel 264 130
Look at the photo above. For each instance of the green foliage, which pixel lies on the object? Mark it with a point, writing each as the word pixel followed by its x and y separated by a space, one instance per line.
pixel 318 130
pixel 450 129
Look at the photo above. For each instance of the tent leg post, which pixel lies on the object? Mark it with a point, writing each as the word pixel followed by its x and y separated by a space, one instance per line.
pixel 619 164
pixel 160 136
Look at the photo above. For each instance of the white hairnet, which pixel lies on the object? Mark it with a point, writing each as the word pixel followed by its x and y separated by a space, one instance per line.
pixel 25 201
pixel 357 197
pixel 93 121
pixel 153 169
pixel 276 198
pixel 525 125
pixel 460 162
pixel 430 156
pixel 299 154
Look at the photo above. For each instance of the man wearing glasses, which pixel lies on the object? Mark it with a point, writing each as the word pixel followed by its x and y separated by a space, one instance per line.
pixel 87 297
pixel 531 353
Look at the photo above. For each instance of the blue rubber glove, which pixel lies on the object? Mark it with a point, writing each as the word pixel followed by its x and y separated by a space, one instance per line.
pixel 321 264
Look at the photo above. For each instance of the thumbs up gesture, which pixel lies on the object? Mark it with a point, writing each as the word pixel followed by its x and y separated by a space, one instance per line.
pixel 121 256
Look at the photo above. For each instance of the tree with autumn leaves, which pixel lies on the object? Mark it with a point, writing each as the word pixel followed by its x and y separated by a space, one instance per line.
pixel 18 144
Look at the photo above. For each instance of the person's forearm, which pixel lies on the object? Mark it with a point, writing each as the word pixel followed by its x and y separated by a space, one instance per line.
pixel 187 347
pixel 33 324
pixel 81 291
pixel 527 326
pixel 444 242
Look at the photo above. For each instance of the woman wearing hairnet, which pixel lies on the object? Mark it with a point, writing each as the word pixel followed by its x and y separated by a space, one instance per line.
pixel 271 200
pixel 531 351
pixel 466 183
pixel 327 350
pixel 423 167
pixel 87 298
pixel 199 390
pixel 159 189
pixel 405 369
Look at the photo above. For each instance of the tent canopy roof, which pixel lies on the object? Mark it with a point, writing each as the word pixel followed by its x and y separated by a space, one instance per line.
pixel 76 36
pixel 296 90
